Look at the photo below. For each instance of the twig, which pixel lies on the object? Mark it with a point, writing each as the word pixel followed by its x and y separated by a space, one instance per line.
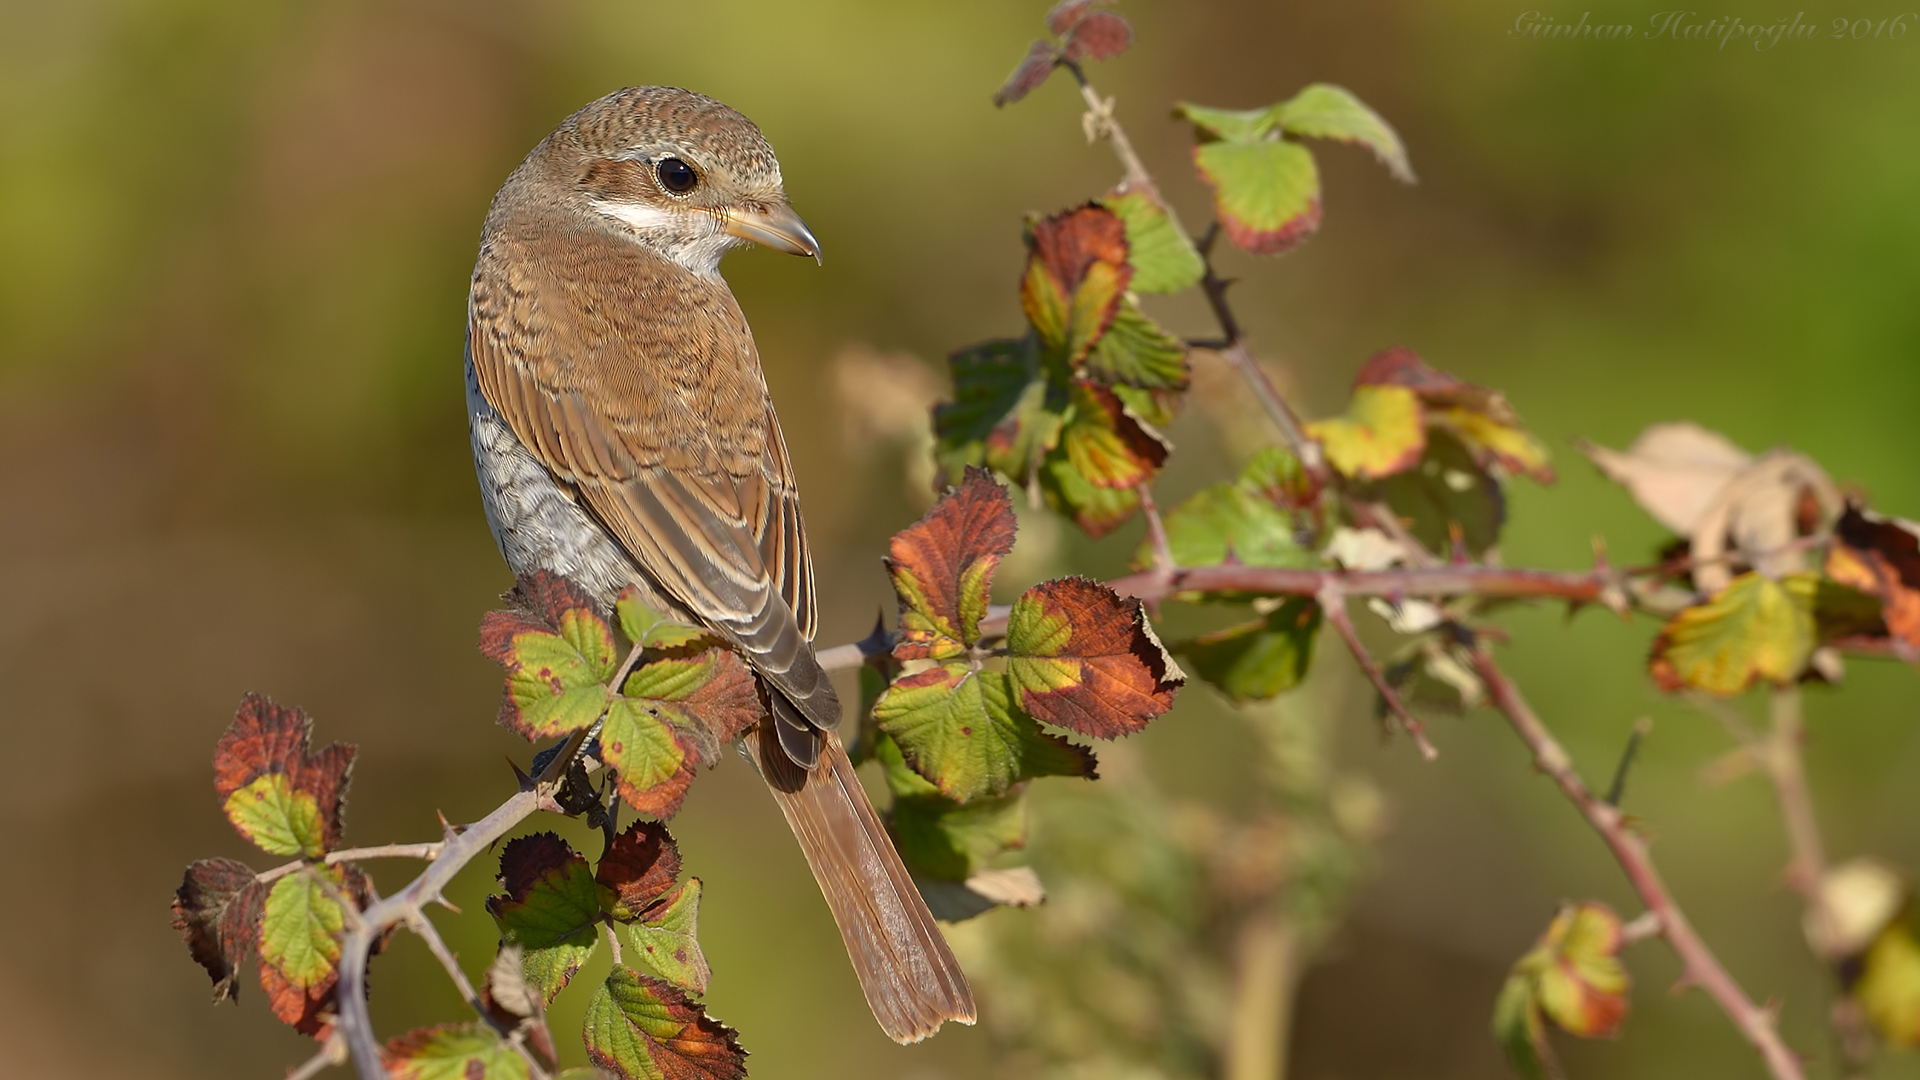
pixel 1156 533
pixel 407 905
pixel 1807 865
pixel 1333 604
pixel 383 851
pixel 613 941
pixel 332 1052
pixel 1618 789
pixel 1104 124
pixel 1699 967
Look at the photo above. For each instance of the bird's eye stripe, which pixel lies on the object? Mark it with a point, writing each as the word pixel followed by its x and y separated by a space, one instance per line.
pixel 676 176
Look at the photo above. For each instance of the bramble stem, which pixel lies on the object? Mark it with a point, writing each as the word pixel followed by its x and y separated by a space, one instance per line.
pixel 383 851
pixel 1699 966
pixel 406 906
pixel 1333 604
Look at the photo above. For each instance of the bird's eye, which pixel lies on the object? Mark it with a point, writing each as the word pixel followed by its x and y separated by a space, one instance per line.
pixel 676 176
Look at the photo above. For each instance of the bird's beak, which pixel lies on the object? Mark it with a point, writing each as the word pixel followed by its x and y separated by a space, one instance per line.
pixel 776 226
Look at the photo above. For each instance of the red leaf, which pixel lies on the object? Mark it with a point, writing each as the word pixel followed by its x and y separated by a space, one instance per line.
pixel 217 911
pixel 1066 15
pixel 639 867
pixel 266 738
pixel 1068 244
pixel 529 859
pixel 1086 660
pixel 1033 70
pixel 943 564
pixel 1101 35
pixel 647 1026
pixel 1880 556
pixel 309 1012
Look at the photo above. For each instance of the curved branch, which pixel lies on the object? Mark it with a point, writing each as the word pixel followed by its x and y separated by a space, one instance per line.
pixel 1699 965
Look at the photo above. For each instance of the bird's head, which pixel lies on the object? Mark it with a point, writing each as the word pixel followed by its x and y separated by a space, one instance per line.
pixel 681 173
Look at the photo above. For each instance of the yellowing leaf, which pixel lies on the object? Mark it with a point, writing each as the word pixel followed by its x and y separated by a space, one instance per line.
pixel 275 791
pixel 1755 629
pixel 1583 988
pixel 300 932
pixel 638 1026
pixel 1381 434
pixel 1889 986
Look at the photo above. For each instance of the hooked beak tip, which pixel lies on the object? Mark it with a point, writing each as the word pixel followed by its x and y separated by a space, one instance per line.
pixel 777 227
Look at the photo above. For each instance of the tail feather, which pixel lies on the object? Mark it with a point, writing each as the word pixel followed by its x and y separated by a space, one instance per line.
pixel 910 977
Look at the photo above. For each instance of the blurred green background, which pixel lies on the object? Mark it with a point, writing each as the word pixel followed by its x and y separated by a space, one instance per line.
pixel 234 241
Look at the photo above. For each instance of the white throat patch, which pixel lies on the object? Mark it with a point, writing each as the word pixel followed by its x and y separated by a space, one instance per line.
pixel 674 235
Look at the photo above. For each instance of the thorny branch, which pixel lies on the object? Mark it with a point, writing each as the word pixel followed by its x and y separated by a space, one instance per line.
pixel 408 907
pixel 1699 966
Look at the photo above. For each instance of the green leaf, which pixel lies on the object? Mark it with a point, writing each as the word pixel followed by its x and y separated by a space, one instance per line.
pixel 300 934
pixel 470 1051
pixel 650 629
pixel 280 820
pixel 1238 519
pixel 1447 491
pixel 1085 659
pixel 1265 194
pixel 953 841
pixel 638 1026
pixel 1518 1027
pixel 666 942
pixel 1323 111
pixel 1136 352
pixel 959 729
pixel 551 909
pixel 1257 660
pixel 1381 434
pixel 1244 126
pixel 1005 414
pixel 1755 629
pixel 1162 255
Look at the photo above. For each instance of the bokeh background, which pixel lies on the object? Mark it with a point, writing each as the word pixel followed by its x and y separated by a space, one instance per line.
pixel 234 242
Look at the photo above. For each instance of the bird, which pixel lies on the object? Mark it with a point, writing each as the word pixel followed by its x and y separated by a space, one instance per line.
pixel 624 436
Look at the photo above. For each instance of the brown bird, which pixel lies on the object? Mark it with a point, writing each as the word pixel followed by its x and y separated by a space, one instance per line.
pixel 624 436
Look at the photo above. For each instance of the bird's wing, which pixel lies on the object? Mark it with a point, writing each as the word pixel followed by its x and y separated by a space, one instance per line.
pixel 636 383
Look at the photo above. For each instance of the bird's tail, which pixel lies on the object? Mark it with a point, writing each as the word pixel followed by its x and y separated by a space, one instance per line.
pixel 912 982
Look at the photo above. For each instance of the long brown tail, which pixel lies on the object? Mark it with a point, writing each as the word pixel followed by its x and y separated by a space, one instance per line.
pixel 912 982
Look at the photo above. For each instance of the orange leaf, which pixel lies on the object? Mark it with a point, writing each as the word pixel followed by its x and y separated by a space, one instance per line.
pixel 1086 660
